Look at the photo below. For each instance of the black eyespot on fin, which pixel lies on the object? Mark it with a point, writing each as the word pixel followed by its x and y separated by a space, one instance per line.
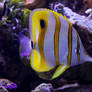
pixel 42 23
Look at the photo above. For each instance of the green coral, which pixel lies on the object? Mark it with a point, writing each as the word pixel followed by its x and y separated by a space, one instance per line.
pixel 26 16
pixel 18 12
pixel 17 1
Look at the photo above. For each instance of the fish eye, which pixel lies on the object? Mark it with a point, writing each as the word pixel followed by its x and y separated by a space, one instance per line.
pixel 32 44
pixel 42 23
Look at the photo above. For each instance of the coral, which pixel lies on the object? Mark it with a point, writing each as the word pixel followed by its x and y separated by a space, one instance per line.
pixel 6 85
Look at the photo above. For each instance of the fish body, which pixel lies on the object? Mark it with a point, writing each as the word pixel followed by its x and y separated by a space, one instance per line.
pixel 55 43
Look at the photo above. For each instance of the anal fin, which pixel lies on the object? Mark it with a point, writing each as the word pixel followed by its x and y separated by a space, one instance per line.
pixel 59 71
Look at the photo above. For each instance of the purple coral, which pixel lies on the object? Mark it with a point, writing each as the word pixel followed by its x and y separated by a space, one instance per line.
pixel 11 86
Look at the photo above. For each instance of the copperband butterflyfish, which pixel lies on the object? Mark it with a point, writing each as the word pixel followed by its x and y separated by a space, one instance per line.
pixel 56 44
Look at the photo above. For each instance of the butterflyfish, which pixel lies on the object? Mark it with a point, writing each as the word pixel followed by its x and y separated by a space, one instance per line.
pixel 56 45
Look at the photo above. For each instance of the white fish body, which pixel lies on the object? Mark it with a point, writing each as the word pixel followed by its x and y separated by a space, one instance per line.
pixel 56 43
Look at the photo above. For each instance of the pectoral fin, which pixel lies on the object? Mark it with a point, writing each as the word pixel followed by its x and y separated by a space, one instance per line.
pixel 59 71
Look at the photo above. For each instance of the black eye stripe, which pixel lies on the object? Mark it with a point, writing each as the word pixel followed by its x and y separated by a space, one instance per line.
pixel 42 23
pixel 32 44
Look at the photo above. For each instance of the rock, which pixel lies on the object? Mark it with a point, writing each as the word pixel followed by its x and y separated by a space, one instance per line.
pixel 31 4
pixel 3 89
pixel 1 6
pixel 78 6
pixel 65 88
pixel 58 8
pixel 6 85
pixel 89 13
pixel 68 86
pixel 71 15
pixel 87 3
pixel 43 88
pixel 81 88
pixel 75 5
pixel 2 64
pixel 1 9
pixel 11 31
